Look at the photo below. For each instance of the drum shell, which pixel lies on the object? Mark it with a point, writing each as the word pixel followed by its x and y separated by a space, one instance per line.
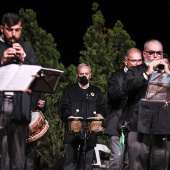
pixel 94 125
pixel 75 124
pixel 38 126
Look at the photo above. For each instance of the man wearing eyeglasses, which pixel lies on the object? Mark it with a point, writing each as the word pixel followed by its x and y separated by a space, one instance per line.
pixel 148 137
pixel 116 102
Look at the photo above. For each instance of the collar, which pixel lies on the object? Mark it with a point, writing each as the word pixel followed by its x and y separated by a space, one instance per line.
pixel 2 38
pixel 85 87
pixel 125 69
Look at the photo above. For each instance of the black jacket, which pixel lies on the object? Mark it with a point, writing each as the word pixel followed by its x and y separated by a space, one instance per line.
pixel 86 101
pixel 145 117
pixel 116 101
pixel 22 101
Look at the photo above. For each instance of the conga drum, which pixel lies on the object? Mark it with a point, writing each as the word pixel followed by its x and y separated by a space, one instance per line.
pixel 94 125
pixel 75 124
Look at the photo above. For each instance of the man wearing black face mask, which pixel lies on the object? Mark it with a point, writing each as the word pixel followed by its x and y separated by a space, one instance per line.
pixel 83 80
pixel 80 100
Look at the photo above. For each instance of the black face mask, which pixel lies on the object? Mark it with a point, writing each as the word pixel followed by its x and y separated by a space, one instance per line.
pixel 83 80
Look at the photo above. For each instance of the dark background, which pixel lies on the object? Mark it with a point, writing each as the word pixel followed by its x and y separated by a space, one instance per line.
pixel 68 20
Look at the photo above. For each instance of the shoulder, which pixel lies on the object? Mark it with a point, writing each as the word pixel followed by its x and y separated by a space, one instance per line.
pixel 117 74
pixel 3 45
pixel 93 87
pixel 24 44
pixel 71 86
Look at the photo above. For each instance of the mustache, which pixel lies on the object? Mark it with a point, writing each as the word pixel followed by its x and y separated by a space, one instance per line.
pixel 13 38
pixel 9 41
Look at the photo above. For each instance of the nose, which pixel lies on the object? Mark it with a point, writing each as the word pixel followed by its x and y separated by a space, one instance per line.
pixel 138 63
pixel 155 55
pixel 13 32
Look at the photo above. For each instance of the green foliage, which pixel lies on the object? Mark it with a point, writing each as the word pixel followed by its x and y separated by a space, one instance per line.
pixel 104 50
pixel 119 42
pixel 50 146
pixel 70 74
pixel 43 43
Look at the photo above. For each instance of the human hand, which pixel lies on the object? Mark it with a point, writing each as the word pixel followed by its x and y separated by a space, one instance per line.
pixel 8 53
pixel 153 66
pixel 19 52
pixel 15 51
pixel 165 66
pixel 70 116
pixel 98 115
pixel 41 103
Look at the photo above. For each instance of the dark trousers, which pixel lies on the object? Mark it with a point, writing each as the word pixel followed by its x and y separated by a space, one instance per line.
pixel 29 162
pixel 24 150
pixel 5 155
pixel 30 150
pixel 16 136
pixel 117 160
pixel 76 159
pixel 148 152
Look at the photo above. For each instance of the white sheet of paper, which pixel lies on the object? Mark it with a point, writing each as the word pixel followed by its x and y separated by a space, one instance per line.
pixel 15 77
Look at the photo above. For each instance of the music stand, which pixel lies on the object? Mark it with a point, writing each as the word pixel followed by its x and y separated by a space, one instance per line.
pixel 47 80
pixel 25 78
pixel 158 89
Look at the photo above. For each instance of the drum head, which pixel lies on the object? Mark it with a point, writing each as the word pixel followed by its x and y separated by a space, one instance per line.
pixel 94 118
pixel 34 117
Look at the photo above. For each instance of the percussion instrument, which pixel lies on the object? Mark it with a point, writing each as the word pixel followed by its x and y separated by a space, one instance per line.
pixel 37 127
pixel 94 125
pixel 75 124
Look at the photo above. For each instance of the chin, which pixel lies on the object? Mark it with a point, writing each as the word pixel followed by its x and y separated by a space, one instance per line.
pixel 147 62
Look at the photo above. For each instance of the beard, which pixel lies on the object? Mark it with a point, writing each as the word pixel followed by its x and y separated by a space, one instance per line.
pixel 10 41
pixel 147 62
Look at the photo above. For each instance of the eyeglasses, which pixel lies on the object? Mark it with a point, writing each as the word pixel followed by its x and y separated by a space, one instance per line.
pixel 154 52
pixel 134 61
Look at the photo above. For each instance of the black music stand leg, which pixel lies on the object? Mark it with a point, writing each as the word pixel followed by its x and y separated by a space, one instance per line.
pixel 85 137
pixel 166 137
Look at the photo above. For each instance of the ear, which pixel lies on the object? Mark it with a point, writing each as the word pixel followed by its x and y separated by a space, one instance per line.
pixel 90 76
pixel 125 61
pixel 1 29
pixel 77 75
pixel 144 54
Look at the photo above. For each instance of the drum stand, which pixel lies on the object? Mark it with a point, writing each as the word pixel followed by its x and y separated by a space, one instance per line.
pixel 85 137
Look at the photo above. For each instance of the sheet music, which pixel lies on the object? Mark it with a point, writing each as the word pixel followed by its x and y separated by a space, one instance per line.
pixel 158 89
pixel 15 77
